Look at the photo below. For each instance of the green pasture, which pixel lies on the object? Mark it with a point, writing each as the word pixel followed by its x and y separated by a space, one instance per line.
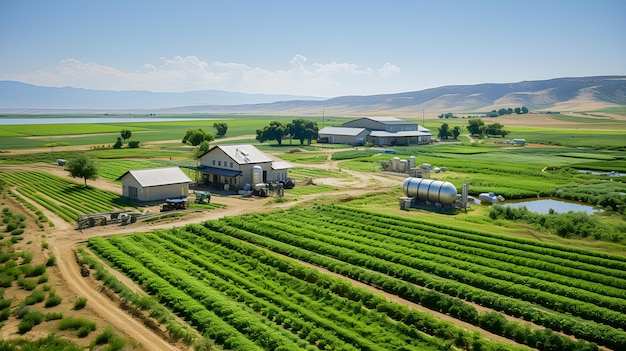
pixel 310 189
pixel 302 173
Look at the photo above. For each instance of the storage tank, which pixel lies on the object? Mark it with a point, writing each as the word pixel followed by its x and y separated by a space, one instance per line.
pixel 411 162
pixel 430 190
pixel 403 166
pixel 395 164
pixel 257 175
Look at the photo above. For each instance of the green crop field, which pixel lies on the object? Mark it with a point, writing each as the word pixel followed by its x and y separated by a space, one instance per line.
pixel 63 197
pixel 246 297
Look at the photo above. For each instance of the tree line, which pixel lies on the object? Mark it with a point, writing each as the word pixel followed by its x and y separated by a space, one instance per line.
pixel 300 129
pixel 476 127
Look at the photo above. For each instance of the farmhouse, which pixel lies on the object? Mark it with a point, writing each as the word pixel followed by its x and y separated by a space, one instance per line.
pixel 233 166
pixel 385 131
pixel 155 183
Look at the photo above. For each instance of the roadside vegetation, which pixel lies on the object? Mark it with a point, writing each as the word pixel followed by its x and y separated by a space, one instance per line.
pixel 29 304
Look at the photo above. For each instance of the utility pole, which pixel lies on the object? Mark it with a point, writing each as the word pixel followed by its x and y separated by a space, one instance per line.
pixel 323 124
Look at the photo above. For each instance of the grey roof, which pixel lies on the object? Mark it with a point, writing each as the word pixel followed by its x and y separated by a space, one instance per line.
pixel 389 120
pixel 281 165
pixel 409 133
pixel 244 153
pixel 158 176
pixel 341 131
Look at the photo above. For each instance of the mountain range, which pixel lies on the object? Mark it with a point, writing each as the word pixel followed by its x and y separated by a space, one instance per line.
pixel 561 94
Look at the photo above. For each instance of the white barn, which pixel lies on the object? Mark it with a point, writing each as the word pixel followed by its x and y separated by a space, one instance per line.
pixel 234 165
pixel 154 184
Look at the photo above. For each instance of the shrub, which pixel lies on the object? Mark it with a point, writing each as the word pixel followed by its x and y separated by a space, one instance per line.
pixel 52 260
pixel 80 303
pixel 53 316
pixel 35 297
pixel 53 300
pixel 29 321
pixel 27 284
pixel 115 344
pixel 27 257
pixel 105 336
pixel 76 323
pixel 17 232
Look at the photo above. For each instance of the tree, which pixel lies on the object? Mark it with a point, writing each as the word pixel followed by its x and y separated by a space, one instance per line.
pixel 196 136
pixel 133 144
pixel 83 167
pixel 502 111
pixel 524 110
pixel 475 126
pixel 202 149
pixel 456 131
pixel 118 144
pixel 126 134
pixel 444 131
pixel 221 128
pixel 496 129
pixel 518 110
pixel 302 130
pixel 509 111
pixel 274 131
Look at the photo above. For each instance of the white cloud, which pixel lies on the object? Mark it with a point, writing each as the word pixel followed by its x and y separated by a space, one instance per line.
pixel 185 73
pixel 388 69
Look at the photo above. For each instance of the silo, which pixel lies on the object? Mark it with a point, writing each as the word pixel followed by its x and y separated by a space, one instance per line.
pixel 411 162
pixel 395 164
pixel 430 190
pixel 257 175
pixel 403 166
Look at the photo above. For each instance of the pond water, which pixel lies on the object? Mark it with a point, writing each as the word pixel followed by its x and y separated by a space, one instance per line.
pixel 543 206
pixel 89 120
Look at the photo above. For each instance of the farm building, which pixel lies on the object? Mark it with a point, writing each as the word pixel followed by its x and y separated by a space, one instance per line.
pixel 233 166
pixel 376 130
pixel 342 135
pixel 153 184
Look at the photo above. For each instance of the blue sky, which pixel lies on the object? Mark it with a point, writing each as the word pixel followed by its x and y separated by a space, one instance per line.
pixel 317 48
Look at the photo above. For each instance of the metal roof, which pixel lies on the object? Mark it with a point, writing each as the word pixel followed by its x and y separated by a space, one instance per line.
pixel 348 131
pixel 389 120
pixel 244 153
pixel 281 165
pixel 408 133
pixel 158 176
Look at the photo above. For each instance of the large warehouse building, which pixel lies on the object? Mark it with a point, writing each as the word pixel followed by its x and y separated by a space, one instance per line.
pixel 384 131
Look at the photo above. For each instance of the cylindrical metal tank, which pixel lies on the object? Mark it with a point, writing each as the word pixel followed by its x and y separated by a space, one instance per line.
pixel 403 166
pixel 257 175
pixel 395 163
pixel 411 162
pixel 430 190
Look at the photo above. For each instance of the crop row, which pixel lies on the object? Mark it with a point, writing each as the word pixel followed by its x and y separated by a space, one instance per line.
pixel 66 198
pixel 320 311
pixel 383 260
pixel 236 300
pixel 572 257
pixel 351 263
pixel 417 242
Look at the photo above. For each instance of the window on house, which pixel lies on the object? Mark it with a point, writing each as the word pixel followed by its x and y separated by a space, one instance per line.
pixel 231 165
pixel 219 163
pixel 213 162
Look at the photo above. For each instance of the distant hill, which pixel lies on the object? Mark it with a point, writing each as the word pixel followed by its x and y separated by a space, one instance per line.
pixel 562 94
pixel 17 95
